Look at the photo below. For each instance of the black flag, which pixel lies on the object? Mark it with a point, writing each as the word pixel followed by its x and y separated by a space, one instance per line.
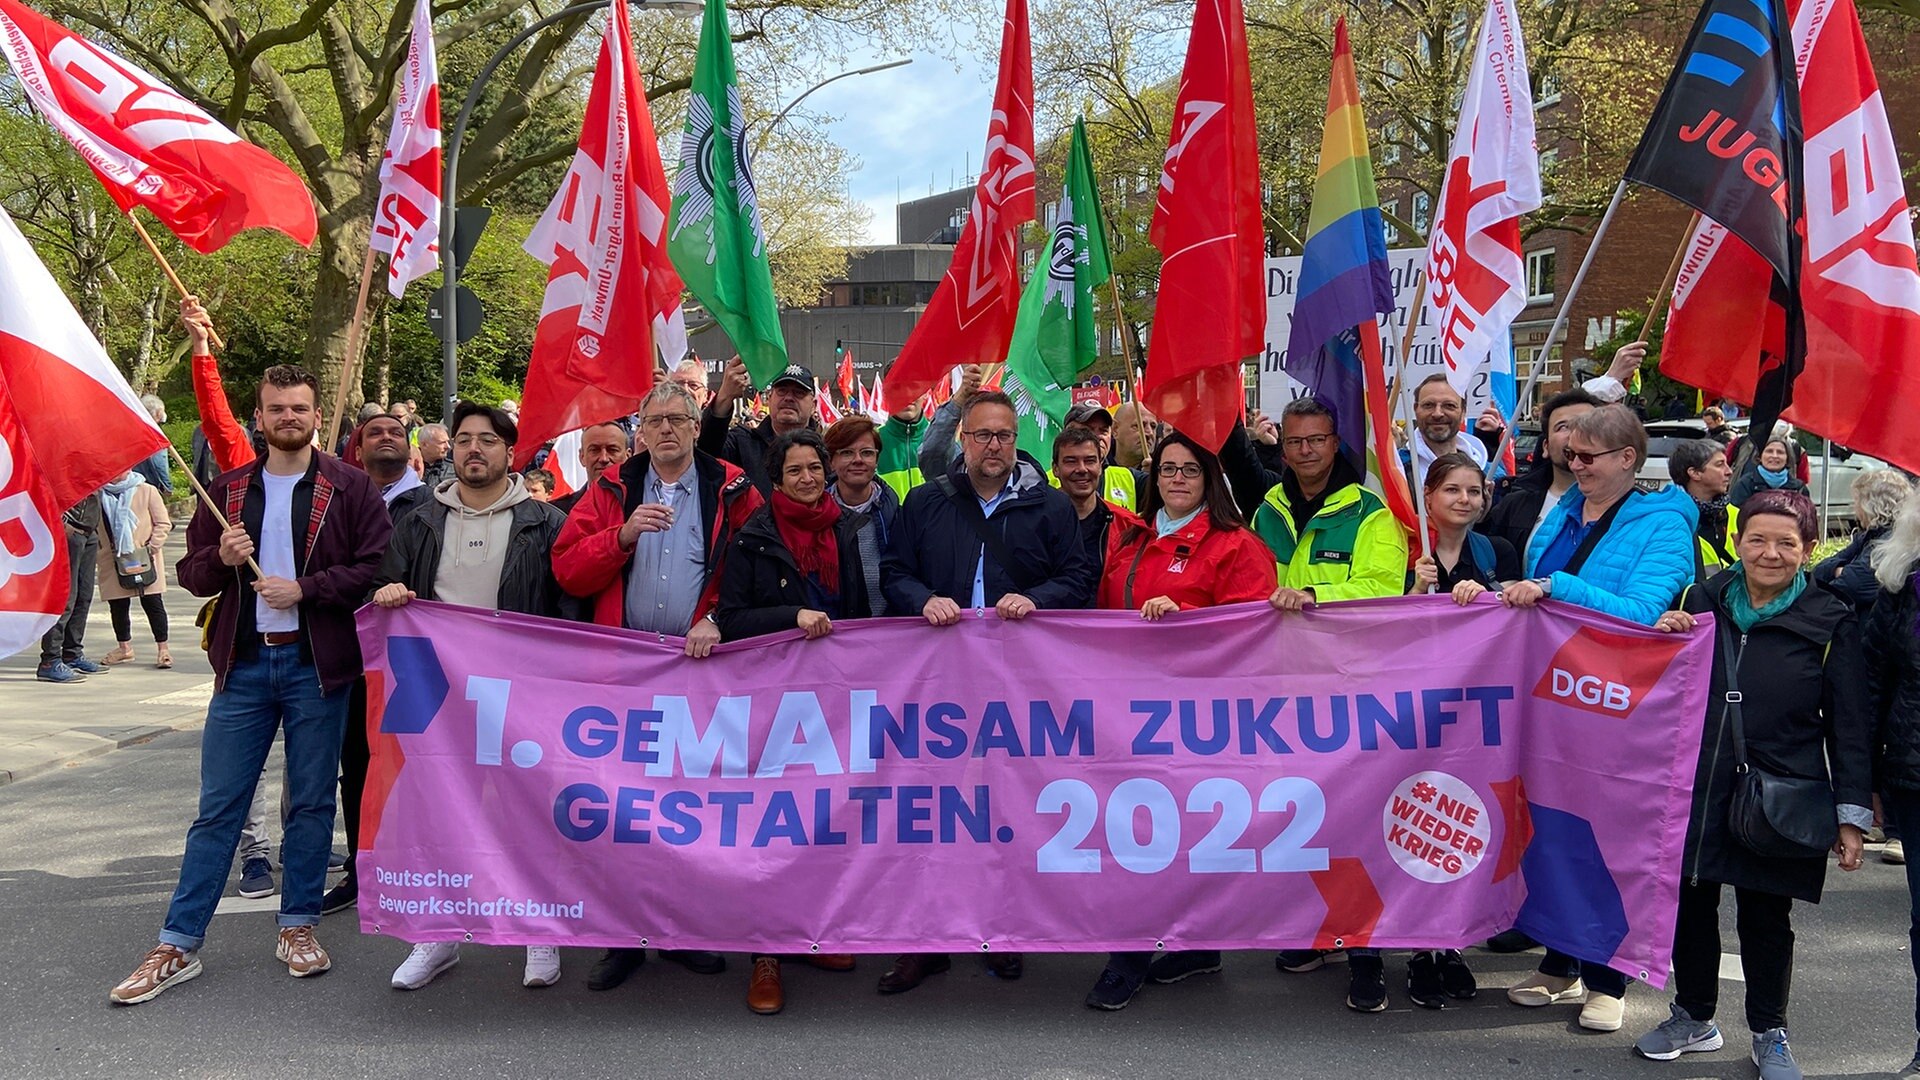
pixel 1726 139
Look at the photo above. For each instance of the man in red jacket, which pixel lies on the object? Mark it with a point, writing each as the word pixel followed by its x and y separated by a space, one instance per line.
pixel 645 544
pixel 284 654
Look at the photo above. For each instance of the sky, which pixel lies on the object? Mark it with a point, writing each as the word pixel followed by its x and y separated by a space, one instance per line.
pixel 908 125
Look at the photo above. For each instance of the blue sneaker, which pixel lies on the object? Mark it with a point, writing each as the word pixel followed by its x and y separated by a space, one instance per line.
pixel 85 666
pixel 256 879
pixel 1680 1034
pixel 1775 1059
pixel 58 672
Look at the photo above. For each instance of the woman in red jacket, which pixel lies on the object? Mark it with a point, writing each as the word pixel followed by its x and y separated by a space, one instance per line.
pixel 1189 549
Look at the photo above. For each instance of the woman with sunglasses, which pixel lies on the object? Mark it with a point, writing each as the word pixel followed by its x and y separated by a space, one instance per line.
pixel 1189 549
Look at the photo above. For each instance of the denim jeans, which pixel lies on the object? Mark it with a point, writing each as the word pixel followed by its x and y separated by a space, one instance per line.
pixel 64 640
pixel 274 690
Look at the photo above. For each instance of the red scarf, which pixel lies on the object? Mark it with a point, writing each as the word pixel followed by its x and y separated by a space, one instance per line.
pixel 808 532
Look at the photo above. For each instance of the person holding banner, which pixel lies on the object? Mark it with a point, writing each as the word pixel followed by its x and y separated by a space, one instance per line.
pixel 1189 549
pixel 1333 538
pixel 1464 563
pixel 1624 552
pixel 1788 705
pixel 1893 683
pixel 855 452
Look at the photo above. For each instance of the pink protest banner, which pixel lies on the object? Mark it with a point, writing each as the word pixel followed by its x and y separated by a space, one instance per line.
pixel 1393 773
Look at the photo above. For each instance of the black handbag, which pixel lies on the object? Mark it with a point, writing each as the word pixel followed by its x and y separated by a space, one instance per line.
pixel 134 569
pixel 1780 817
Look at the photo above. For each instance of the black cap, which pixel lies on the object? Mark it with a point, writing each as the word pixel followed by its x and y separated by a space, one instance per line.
pixel 796 373
pixel 1087 411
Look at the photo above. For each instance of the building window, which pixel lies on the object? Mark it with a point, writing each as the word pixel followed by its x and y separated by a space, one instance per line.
pixel 1527 356
pixel 1549 91
pixel 1540 276
pixel 1053 215
pixel 1422 210
pixel 1028 258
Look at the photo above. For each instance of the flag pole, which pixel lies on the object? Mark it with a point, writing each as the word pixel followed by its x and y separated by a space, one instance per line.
pixel 208 500
pixel 1524 402
pixel 1673 276
pixel 1119 320
pixel 350 365
pixel 212 334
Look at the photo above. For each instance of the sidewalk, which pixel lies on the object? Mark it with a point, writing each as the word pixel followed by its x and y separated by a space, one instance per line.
pixel 46 726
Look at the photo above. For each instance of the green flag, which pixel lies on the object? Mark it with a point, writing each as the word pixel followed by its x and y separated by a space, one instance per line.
pixel 715 238
pixel 1054 337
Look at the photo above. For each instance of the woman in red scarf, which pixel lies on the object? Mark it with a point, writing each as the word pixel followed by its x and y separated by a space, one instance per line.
pixel 794 564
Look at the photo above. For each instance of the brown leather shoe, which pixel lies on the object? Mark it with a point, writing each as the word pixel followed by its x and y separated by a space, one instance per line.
pixel 831 961
pixel 911 969
pixel 764 993
pixel 1008 966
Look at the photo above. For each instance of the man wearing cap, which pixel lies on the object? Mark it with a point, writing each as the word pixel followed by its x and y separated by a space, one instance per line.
pixel 790 407
pixel 1119 483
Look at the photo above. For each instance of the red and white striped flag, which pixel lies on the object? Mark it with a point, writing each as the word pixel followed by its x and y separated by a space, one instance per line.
pixel 68 424
pixel 406 228
pixel 1476 277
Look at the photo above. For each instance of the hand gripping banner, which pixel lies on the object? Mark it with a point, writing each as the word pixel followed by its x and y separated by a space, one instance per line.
pixel 1395 773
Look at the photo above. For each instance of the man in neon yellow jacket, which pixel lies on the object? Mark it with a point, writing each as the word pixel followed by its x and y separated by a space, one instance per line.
pixel 1333 539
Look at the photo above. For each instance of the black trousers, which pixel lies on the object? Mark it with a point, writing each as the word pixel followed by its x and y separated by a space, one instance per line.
pixel 1903 807
pixel 155 607
pixel 355 755
pixel 63 642
pixel 1764 925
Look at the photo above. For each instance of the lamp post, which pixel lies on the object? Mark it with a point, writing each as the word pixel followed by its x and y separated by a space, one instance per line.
pixel 450 344
pixel 782 114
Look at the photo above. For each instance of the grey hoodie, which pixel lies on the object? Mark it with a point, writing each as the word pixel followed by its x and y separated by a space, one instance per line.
pixel 475 545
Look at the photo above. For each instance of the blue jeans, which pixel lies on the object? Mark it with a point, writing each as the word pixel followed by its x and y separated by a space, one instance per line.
pixel 262 695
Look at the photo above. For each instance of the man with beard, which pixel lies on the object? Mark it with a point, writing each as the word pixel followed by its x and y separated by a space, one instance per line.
pixel 1522 503
pixel 1438 412
pixel 284 653
pixel 384 453
pixel 483 542
pixel 790 407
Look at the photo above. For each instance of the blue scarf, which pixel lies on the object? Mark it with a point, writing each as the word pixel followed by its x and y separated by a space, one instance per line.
pixel 116 505
pixel 1164 525
pixel 1773 479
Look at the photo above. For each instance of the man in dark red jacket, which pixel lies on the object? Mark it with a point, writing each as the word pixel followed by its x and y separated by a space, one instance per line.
pixel 284 655
pixel 646 544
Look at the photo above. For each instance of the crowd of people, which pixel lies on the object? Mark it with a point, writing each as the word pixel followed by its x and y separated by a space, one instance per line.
pixel 705 528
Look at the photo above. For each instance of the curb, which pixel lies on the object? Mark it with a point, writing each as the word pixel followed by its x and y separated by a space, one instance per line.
pixel 120 740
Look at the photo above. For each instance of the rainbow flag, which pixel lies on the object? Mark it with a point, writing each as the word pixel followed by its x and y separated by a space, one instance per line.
pixel 1345 286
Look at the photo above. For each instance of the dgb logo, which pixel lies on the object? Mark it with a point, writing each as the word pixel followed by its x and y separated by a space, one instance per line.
pixel 1606 673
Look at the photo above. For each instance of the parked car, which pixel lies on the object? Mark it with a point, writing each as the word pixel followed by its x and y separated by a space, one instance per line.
pixel 1664 435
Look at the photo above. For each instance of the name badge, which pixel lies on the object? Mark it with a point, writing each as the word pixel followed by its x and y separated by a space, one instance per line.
pixel 1331 555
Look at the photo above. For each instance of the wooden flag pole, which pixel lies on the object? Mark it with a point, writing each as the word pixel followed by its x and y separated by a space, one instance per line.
pixel 350 366
pixel 1119 319
pixel 1673 276
pixel 210 504
pixel 167 267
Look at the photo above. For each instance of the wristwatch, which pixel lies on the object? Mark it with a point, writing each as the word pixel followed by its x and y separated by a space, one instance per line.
pixel 1546 585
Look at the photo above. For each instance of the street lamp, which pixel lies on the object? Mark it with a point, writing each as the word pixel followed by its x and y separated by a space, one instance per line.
pixel 450 344
pixel 782 114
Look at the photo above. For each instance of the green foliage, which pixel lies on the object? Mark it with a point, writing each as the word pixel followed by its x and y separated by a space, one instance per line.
pixel 1662 396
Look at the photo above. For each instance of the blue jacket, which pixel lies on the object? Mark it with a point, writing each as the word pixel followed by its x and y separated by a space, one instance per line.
pixel 933 551
pixel 1642 563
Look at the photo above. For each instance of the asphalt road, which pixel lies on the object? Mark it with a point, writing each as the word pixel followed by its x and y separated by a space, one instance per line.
pixel 88 856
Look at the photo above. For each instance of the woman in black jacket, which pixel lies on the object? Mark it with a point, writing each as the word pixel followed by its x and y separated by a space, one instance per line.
pixel 1893 689
pixel 1773 472
pixel 1795 649
pixel 795 563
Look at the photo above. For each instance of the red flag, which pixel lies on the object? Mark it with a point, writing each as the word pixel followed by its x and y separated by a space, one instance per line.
pixel 406 226
pixel 845 378
pixel 148 145
pixel 829 415
pixel 1860 288
pixel 611 293
pixel 970 320
pixel 68 424
pixel 1212 310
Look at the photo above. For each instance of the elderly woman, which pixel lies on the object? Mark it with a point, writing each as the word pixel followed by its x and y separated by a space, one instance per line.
pixel 1877 497
pixel 796 564
pixel 1893 687
pixel 1790 658
pixel 1773 472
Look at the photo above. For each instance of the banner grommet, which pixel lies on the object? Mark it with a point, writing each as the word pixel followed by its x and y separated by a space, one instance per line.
pixel 643 943
pixel 1159 946
pixel 815 948
pixel 468 938
pixel 1339 943
pixel 986 946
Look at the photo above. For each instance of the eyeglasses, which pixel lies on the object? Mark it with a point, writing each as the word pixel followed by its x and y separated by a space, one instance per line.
pixel 857 454
pixel 485 439
pixel 989 438
pixel 1585 458
pixel 662 423
pixel 1187 469
pixel 1301 443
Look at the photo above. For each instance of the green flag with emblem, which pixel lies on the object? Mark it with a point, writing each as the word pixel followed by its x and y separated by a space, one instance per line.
pixel 1055 337
pixel 715 237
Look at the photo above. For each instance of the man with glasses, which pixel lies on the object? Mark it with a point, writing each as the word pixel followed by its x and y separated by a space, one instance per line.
pixel 989 533
pixel 647 545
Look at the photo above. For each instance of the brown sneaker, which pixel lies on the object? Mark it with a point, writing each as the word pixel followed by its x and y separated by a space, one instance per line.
pixel 161 968
pixel 302 952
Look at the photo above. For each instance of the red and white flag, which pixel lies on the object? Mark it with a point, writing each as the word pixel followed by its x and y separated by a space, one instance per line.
pixel 1211 314
pixel 406 227
pixel 68 424
pixel 1476 276
pixel 1860 288
pixel 612 296
pixel 829 415
pixel 970 319
pixel 148 145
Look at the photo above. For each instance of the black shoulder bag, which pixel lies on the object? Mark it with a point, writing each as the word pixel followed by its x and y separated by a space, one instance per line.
pixel 1780 817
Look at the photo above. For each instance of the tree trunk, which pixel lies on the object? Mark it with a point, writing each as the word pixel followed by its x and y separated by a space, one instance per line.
pixel 146 379
pixel 336 282
pixel 386 358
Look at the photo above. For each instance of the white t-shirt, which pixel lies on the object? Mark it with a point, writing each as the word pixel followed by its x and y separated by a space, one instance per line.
pixel 1466 442
pixel 276 551
pixel 1546 507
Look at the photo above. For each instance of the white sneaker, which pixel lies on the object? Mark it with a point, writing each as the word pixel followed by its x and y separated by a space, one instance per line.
pixel 425 963
pixel 543 966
